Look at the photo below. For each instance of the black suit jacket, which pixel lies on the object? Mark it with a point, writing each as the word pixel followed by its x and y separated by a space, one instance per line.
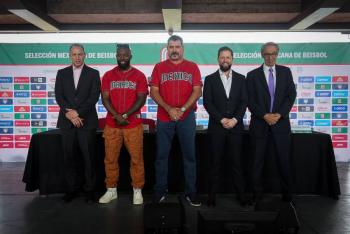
pixel 259 100
pixel 83 99
pixel 219 106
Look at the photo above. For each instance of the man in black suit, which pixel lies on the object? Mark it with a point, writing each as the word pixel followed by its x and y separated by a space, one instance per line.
pixel 77 90
pixel 225 99
pixel 271 94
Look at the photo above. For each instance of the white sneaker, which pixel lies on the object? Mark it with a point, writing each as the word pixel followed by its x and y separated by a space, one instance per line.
pixel 138 199
pixel 110 195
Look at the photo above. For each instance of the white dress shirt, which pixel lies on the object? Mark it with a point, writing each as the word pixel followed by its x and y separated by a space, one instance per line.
pixel 76 74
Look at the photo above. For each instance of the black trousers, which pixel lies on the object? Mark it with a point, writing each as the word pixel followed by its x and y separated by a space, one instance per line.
pixel 225 143
pixel 279 145
pixel 73 141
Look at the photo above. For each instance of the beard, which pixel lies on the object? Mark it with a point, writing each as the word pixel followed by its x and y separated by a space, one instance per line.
pixel 225 68
pixel 125 65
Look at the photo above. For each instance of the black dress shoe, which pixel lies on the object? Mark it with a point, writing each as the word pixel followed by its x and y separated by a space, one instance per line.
pixel 68 197
pixel 89 197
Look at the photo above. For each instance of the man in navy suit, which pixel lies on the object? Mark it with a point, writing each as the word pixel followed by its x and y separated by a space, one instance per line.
pixel 271 94
pixel 225 99
pixel 77 90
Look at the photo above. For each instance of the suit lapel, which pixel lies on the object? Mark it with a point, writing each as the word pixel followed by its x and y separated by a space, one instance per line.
pixel 220 85
pixel 263 80
pixel 71 78
pixel 279 81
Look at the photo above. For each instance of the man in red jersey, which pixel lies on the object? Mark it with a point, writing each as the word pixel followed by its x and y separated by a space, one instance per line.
pixel 124 91
pixel 176 86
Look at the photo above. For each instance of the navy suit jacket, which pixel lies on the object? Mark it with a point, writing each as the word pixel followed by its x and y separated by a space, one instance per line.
pixel 259 100
pixel 219 106
pixel 83 99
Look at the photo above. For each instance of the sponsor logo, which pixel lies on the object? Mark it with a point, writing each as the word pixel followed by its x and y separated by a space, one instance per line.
pixel 6 101
pixel 339 137
pixel 305 115
pixel 339 108
pixel 39 123
pixel 101 109
pixel 22 115
pixel 6 115
pixel 340 145
pixel 306 93
pixel 22 123
pixel 6 123
pixel 340 93
pixel 22 145
pixel 22 94
pixel 4 87
pixel 294 109
pixel 151 102
pixel 339 101
pixel 6 130
pixel 323 129
pixel 305 122
pixel 52 124
pixel 305 108
pixel 37 130
pixel 38 94
pixel 6 94
pixel 51 87
pixel 6 145
pixel 22 101
pixel 54 116
pixel 6 108
pixel 38 79
pixel 340 79
pixel 54 108
pixel 306 86
pixel 306 79
pixel 323 101
pixel 200 101
pixel 52 80
pixel 323 79
pixel 292 115
pixel 340 86
pixel 21 80
pixel 339 115
pixel 322 123
pixel 152 108
pixel 322 115
pixel 38 108
pixel 6 137
pixel 323 108
pixel 99 101
pixel 339 130
pixel 323 86
pixel 22 109
pixel 323 93
pixel 22 131
pixel 305 101
pixel 51 101
pixel 38 101
pixel 21 87
pixel 144 109
pixel 202 122
pixel 38 116
pixel 51 94
pixel 339 123
pixel 38 87
pixel 5 79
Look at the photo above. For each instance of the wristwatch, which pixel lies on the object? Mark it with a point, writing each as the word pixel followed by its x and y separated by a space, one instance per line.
pixel 183 109
pixel 125 116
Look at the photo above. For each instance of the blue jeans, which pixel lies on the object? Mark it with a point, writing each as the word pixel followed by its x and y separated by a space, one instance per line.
pixel 186 131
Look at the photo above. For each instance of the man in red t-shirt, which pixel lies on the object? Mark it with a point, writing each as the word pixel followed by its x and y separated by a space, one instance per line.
pixel 176 86
pixel 124 91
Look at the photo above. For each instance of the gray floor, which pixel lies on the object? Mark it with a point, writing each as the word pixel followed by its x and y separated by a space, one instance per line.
pixel 22 212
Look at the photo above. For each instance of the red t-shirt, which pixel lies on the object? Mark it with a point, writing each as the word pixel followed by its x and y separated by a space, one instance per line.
pixel 123 88
pixel 175 83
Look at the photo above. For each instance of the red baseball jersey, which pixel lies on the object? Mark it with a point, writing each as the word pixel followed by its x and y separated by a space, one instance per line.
pixel 175 83
pixel 123 88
